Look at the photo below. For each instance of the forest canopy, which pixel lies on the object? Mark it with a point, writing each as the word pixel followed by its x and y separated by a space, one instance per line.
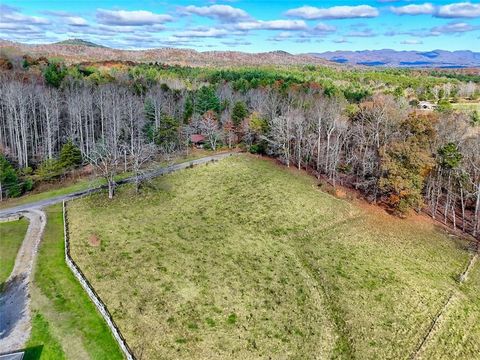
pixel 392 134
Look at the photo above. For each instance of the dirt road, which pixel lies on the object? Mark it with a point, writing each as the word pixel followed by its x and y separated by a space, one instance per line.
pixel 14 301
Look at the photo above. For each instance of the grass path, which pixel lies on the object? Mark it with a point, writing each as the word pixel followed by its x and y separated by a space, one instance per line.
pixel 65 323
pixel 11 236
pixel 446 310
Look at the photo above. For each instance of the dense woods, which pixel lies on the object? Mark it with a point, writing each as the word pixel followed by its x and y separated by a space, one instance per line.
pixel 355 128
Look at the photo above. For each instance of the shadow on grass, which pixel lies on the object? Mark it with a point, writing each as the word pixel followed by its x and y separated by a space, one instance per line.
pixel 33 353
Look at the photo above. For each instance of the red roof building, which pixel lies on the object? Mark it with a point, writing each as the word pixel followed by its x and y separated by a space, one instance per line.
pixel 197 139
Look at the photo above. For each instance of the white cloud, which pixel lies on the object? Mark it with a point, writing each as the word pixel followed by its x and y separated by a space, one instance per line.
pixel 202 33
pixel 411 42
pixel 76 21
pixel 362 33
pixel 454 27
pixel 423 9
pixel 341 41
pixel 224 13
pixel 272 25
pixel 321 27
pixel 454 10
pixel 236 43
pixel 131 18
pixel 12 15
pixel 336 12
pixel 69 18
pixel 459 10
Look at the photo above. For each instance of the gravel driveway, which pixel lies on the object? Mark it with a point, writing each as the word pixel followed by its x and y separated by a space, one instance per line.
pixel 14 301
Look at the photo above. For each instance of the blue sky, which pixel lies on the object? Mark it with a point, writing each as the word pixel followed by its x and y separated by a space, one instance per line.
pixel 248 25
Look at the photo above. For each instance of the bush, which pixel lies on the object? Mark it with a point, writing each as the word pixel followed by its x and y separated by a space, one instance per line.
pixel 475 118
pixel 48 170
pixel 53 75
pixel 239 112
pixel 8 179
pixel 27 184
pixel 444 106
pixel 70 156
pixel 259 148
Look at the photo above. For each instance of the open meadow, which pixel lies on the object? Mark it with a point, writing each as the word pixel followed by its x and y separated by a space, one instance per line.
pixel 246 259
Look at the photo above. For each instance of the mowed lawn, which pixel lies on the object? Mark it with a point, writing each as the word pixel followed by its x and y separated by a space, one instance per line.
pixel 245 259
pixel 12 234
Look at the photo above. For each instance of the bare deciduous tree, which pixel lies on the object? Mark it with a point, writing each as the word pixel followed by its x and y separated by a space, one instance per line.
pixel 105 161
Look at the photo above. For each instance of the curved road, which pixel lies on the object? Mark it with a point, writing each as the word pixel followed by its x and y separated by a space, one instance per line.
pixel 14 301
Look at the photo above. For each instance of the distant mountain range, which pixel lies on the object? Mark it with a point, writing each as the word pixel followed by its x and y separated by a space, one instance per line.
pixel 78 50
pixel 436 58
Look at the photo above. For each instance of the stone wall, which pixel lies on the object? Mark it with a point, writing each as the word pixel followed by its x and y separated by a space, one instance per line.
pixel 102 308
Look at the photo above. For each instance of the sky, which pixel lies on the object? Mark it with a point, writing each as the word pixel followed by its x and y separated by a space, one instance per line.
pixel 247 25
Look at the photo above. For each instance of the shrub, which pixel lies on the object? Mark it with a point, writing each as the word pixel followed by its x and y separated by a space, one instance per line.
pixel 48 170
pixel 475 118
pixel 53 75
pixel 239 112
pixel 9 184
pixel 27 184
pixel 258 148
pixel 70 155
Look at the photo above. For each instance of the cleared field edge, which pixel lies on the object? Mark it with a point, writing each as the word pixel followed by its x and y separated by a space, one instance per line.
pixel 99 304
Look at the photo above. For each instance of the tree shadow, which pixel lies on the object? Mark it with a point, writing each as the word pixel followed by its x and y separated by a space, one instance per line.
pixel 33 353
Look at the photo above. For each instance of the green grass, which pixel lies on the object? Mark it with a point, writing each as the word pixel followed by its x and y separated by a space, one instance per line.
pixel 84 183
pixel 11 237
pixel 65 321
pixel 459 334
pixel 469 107
pixel 244 259
pixel 42 345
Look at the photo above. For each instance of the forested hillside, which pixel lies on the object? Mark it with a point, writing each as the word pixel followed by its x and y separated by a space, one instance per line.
pixel 353 127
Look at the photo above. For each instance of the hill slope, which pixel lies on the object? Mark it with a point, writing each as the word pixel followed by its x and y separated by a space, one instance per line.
pixel 79 42
pixel 244 259
pixel 79 51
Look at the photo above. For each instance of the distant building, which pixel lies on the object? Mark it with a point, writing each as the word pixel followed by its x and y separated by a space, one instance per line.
pixel 197 139
pixel 426 105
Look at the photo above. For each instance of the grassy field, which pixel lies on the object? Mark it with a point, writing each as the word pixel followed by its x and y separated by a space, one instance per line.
pixel 469 107
pixel 244 259
pixel 11 237
pixel 65 323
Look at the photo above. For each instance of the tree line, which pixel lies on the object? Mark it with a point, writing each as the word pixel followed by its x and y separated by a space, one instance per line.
pixel 379 144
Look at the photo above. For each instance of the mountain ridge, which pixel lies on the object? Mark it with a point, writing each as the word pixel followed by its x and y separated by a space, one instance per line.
pixel 79 50
pixel 404 58
pixel 78 42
